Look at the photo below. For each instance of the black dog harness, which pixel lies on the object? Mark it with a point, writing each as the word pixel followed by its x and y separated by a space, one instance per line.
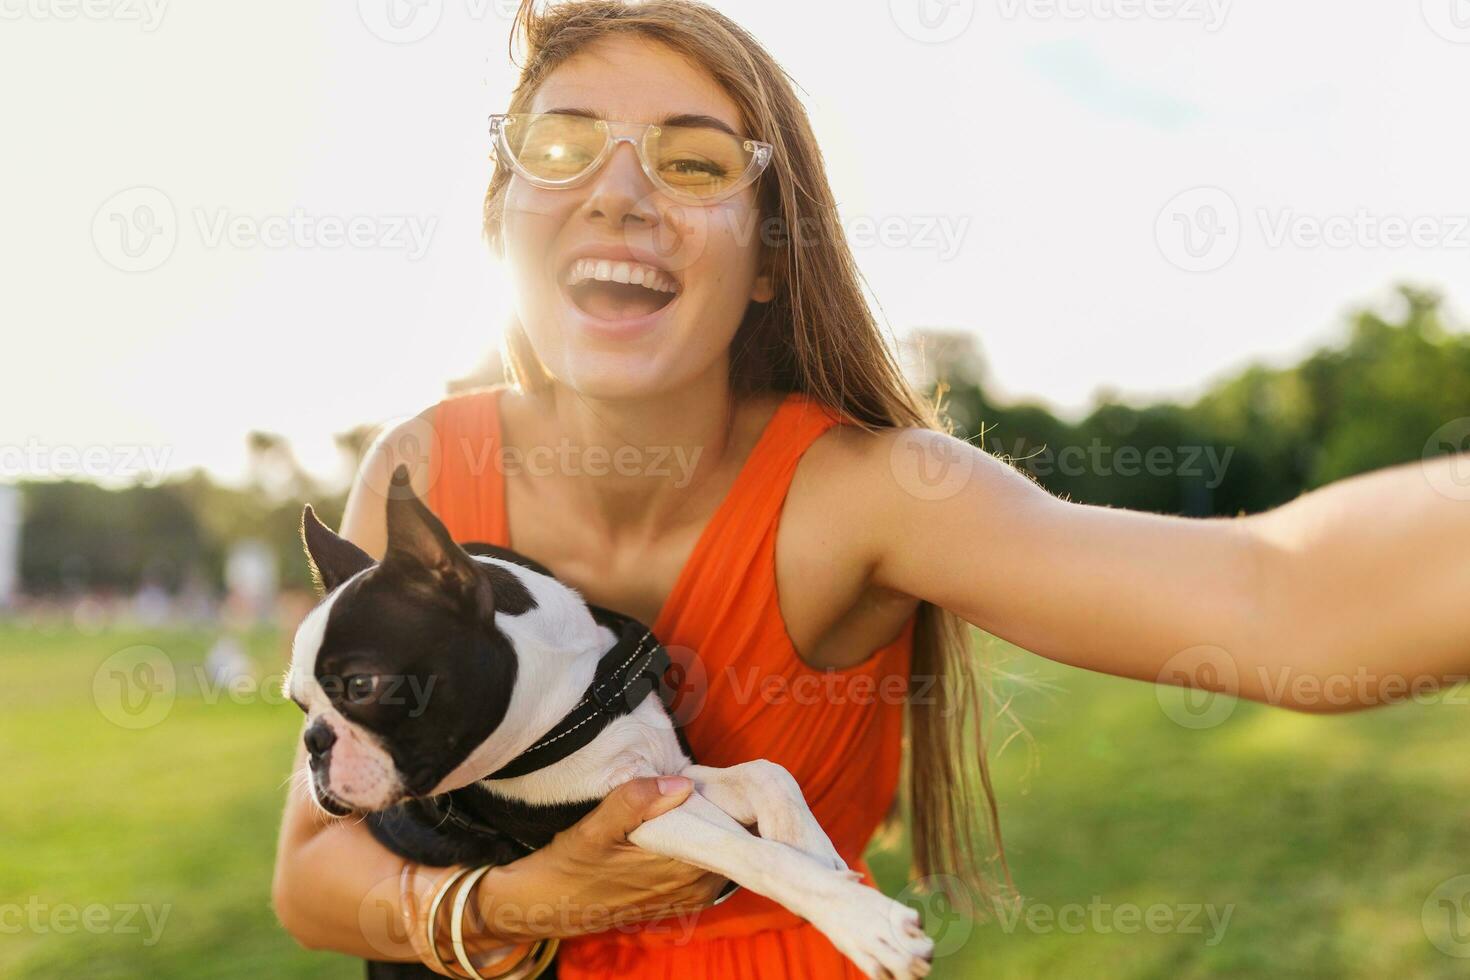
pixel 629 672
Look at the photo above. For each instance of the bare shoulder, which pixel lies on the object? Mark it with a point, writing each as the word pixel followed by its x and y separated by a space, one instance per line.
pixel 867 485
pixel 406 441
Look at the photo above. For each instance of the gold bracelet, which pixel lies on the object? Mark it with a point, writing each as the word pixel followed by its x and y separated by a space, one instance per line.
pixel 431 923
pixel 456 921
pixel 529 966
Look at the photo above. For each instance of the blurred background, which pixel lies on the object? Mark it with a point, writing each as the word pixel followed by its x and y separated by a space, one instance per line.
pixel 1200 257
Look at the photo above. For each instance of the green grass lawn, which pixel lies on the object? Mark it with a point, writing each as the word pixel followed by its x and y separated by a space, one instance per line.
pixel 1322 838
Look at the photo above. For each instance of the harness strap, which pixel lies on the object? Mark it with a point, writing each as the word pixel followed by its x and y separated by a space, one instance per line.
pixel 625 676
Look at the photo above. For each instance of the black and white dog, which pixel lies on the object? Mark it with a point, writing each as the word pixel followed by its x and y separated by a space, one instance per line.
pixel 475 707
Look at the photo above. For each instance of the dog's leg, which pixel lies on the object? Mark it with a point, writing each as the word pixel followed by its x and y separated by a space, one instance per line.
pixel 765 794
pixel 881 936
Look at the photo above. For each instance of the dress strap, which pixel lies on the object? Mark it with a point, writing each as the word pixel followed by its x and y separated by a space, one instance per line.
pixel 741 534
pixel 466 467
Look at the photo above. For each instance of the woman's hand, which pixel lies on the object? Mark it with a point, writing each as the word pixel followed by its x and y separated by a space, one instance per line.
pixel 590 878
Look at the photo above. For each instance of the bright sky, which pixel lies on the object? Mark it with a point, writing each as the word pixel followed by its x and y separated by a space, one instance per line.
pixel 1023 169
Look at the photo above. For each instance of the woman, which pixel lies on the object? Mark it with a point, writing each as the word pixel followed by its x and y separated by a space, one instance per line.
pixel 696 369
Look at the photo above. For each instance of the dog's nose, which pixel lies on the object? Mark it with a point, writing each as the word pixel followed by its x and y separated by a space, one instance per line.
pixel 319 739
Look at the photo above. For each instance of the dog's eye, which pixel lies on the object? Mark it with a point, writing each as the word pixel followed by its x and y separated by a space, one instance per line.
pixel 360 687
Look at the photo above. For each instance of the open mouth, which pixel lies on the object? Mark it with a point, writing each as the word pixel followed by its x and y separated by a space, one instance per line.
pixel 615 290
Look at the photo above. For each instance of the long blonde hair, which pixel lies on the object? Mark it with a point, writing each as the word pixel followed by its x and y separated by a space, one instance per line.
pixel 817 336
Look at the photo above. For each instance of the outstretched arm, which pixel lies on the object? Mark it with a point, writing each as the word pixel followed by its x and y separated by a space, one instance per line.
pixel 1334 601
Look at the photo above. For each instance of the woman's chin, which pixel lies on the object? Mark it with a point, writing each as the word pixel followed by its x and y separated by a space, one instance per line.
pixel 612 375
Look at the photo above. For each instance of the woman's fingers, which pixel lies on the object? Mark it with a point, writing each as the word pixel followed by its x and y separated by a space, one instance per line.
pixel 632 803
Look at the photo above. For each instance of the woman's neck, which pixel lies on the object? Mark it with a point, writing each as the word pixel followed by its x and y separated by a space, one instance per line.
pixel 632 465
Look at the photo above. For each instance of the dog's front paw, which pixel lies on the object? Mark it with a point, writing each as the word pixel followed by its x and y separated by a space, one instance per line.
pixel 883 937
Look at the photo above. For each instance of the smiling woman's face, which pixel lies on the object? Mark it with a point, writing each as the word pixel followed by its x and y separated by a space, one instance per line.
pixel 614 340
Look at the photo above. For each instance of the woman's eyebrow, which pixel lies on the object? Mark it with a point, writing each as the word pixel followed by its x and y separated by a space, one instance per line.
pixel 695 119
pixel 678 119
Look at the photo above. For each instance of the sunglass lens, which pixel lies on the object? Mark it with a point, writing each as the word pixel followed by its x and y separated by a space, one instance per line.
pixel 554 146
pixel 697 161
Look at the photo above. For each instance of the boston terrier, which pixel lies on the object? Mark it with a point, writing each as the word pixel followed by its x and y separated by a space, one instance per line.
pixel 473 706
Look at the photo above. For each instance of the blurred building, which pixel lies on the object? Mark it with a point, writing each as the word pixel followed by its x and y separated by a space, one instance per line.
pixel 9 544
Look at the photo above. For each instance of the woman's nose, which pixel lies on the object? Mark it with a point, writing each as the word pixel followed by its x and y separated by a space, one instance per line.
pixel 621 191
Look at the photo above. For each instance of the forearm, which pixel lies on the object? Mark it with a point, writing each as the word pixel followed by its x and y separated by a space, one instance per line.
pixel 1365 590
pixel 336 888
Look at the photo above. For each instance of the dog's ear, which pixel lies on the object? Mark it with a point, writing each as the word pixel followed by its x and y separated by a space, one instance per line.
pixel 420 545
pixel 333 559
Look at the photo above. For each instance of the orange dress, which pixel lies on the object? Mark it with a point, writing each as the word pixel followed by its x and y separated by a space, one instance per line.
pixel 837 731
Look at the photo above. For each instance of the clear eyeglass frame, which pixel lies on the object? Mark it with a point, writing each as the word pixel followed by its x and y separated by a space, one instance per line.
pixel 635 135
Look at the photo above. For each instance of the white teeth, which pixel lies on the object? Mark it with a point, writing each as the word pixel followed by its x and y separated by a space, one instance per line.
pixel 605 270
